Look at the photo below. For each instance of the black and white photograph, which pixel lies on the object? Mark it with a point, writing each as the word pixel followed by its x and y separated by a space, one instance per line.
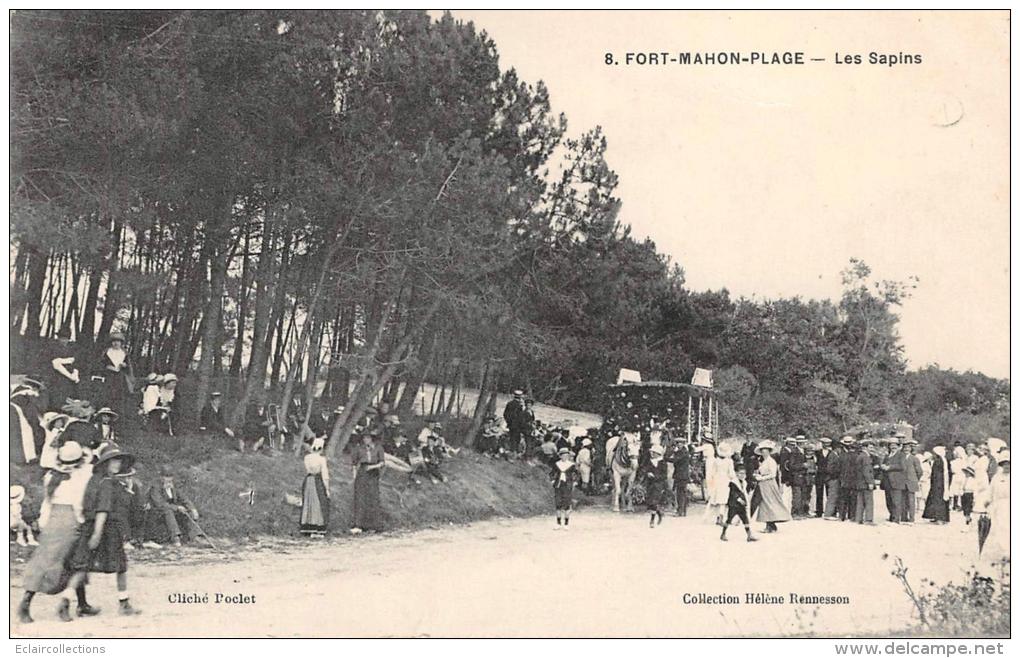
pixel 405 323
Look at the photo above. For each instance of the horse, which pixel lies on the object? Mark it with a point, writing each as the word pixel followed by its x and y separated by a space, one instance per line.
pixel 623 459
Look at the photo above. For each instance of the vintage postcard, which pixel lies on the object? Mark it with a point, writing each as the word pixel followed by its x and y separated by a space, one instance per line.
pixel 509 324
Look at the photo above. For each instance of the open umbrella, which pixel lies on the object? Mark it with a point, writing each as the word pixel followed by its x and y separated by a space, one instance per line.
pixel 984 525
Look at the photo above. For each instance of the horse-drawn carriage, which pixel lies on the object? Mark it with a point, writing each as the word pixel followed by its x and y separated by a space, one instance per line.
pixel 639 414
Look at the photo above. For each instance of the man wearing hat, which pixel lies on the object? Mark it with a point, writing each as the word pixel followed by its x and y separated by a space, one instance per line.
pixel 173 508
pixel 797 478
pixel 516 421
pixel 913 473
pixel 894 480
pixel 211 418
pixel 656 484
pixel 822 476
pixel 863 486
pixel 847 501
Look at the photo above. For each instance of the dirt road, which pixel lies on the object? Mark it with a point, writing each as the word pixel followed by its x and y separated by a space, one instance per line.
pixel 609 575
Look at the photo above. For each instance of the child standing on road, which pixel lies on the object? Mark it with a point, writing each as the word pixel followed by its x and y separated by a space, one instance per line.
pixel 736 505
pixel 656 485
pixel 564 477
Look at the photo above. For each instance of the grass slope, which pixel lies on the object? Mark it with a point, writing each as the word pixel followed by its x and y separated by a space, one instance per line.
pixel 214 475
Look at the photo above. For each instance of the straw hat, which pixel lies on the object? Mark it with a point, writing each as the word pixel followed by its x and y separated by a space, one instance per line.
pixel 169 377
pixel 113 451
pixel 69 456
pixel 566 451
pixel 107 411
pixel 847 440
pixel 764 445
pixel 17 493
pixel 586 442
pixel 657 450
pixel 723 450
pixel 51 417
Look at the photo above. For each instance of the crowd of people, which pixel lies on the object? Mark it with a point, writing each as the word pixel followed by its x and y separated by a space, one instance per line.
pixel 95 509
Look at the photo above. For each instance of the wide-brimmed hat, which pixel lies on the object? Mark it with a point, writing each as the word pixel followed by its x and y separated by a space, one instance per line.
pixel 566 451
pixel 393 419
pixel 113 451
pixel 169 377
pixel 17 493
pixel 50 417
pixel 518 393
pixel 107 411
pixel 1002 457
pixel 764 445
pixel 657 450
pixel 790 439
pixel 825 440
pixel 847 440
pixel 116 336
pixel 724 450
pixel 909 442
pixel 586 442
pixel 153 378
pixel 995 444
pixel 69 456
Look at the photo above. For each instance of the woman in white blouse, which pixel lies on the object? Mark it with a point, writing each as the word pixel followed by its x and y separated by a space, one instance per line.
pixel 315 492
pixel 59 517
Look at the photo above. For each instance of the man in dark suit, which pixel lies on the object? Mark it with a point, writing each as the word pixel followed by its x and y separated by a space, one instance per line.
pixel 864 485
pixel 894 481
pixel 822 474
pixel 797 479
pixel 830 475
pixel 847 502
pixel 513 414
pixel 174 509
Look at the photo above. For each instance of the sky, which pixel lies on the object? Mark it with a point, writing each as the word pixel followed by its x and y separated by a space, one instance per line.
pixel 766 180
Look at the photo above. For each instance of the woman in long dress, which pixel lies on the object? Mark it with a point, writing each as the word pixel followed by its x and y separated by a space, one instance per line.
pixel 369 460
pixel 996 548
pixel 925 480
pixel 315 492
pixel 717 484
pixel 936 505
pixel 60 517
pixel 110 381
pixel 772 509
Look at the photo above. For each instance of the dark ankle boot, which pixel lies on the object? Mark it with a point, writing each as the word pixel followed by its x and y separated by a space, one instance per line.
pixel 722 536
pixel 23 613
pixel 86 610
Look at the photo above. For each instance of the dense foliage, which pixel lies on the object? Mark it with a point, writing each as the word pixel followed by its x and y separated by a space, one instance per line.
pixel 282 198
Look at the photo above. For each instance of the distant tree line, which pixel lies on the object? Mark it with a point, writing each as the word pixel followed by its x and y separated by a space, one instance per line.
pixel 278 198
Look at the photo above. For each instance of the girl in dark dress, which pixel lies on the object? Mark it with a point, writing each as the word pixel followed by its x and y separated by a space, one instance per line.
pixel 564 476
pixel 936 507
pixel 369 460
pixel 107 511
pixel 656 485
